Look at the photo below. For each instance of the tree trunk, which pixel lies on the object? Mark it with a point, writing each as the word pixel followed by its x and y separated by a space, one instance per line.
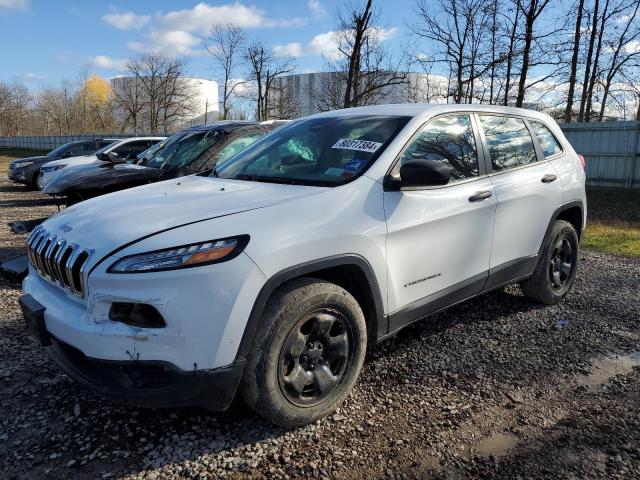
pixel 528 38
pixel 512 45
pixel 574 63
pixel 587 68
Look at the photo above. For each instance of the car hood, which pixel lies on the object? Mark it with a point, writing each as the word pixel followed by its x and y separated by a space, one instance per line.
pixel 111 221
pixel 72 160
pixel 99 176
pixel 42 158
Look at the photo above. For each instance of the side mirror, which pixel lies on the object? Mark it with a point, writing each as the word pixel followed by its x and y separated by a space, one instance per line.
pixel 419 172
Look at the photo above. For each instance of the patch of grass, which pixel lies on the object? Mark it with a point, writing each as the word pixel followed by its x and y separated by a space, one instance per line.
pixel 613 224
pixel 620 239
pixel 8 154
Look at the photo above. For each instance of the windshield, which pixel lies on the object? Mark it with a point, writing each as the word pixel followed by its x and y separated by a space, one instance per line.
pixel 152 150
pixel 318 151
pixel 58 150
pixel 183 150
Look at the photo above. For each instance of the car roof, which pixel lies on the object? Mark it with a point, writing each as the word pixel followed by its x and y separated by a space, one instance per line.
pixel 135 139
pixel 429 109
pixel 223 125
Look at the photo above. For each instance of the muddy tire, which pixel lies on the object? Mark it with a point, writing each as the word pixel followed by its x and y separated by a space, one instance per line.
pixel 308 353
pixel 556 270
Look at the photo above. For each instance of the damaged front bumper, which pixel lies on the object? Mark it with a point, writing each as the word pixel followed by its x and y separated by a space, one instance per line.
pixel 152 384
pixel 189 361
pixel 149 384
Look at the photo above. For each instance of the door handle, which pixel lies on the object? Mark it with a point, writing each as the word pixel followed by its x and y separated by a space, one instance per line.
pixel 480 196
pixel 548 178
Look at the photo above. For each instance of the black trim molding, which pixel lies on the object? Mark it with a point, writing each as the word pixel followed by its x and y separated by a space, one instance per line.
pixel 379 328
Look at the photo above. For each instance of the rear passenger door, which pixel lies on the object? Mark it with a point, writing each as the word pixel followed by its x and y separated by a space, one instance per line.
pixel 527 189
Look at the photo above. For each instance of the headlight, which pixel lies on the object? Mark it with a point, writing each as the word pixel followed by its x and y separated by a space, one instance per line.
pixel 187 256
pixel 52 168
pixel 22 164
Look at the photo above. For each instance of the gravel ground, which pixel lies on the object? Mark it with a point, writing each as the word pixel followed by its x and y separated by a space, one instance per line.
pixel 496 387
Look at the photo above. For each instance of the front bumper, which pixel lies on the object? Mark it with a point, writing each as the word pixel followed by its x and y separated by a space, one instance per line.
pixel 149 384
pixel 16 176
pixel 134 382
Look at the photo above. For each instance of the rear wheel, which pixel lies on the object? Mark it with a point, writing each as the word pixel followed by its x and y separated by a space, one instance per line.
pixel 309 350
pixel 556 269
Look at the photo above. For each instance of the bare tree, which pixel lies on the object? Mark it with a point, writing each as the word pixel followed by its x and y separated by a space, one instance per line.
pixel 456 30
pixel 531 12
pixel 282 102
pixel 364 70
pixel 15 101
pixel 128 99
pixel 568 111
pixel 589 58
pixel 155 92
pixel 512 52
pixel 624 51
pixel 225 45
pixel 264 68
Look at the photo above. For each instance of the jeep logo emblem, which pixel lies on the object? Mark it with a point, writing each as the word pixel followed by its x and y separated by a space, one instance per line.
pixel 66 227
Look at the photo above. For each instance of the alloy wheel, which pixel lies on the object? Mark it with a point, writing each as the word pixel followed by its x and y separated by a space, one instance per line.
pixel 561 263
pixel 315 357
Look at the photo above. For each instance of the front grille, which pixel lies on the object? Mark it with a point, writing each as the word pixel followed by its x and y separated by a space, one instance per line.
pixel 57 260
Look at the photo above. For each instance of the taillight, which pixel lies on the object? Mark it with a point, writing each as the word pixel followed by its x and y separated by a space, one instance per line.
pixel 583 162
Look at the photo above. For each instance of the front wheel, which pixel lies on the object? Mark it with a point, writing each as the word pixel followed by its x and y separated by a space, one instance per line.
pixel 556 270
pixel 309 350
pixel 39 184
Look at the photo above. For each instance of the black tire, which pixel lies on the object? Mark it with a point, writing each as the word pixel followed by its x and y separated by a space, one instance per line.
pixel 556 270
pixel 38 181
pixel 291 361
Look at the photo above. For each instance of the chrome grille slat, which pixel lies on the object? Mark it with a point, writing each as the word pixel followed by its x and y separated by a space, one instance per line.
pixel 58 261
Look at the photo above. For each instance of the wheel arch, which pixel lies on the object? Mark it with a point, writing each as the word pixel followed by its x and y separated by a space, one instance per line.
pixel 572 212
pixel 350 271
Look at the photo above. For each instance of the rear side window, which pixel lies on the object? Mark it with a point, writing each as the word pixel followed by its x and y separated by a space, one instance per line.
pixel 447 139
pixel 509 141
pixel 547 140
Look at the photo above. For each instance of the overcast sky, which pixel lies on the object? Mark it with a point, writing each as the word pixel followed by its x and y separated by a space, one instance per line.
pixel 45 41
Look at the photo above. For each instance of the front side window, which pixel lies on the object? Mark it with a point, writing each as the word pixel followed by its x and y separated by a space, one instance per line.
pixel 318 151
pixel 509 141
pixel 447 139
pixel 547 140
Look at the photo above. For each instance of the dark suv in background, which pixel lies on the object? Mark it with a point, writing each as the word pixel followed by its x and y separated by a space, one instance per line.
pixel 25 170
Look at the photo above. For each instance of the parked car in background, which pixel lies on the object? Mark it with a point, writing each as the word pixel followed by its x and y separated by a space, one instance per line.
pixel 25 170
pixel 271 275
pixel 191 151
pixel 118 151
pixel 151 151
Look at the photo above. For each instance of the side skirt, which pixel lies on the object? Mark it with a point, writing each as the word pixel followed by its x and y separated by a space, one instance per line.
pixel 505 274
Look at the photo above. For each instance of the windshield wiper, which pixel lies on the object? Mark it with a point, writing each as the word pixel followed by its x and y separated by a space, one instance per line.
pixel 266 179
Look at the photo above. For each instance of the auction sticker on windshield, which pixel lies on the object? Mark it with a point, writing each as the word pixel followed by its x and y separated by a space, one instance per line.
pixel 359 145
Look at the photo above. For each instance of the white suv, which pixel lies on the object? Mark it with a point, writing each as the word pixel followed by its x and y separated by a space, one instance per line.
pixel 271 274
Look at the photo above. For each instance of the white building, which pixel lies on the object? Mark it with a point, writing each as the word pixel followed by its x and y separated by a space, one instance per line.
pixel 304 94
pixel 194 101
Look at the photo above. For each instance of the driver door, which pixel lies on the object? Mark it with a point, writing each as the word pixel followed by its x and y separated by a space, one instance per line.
pixel 439 238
